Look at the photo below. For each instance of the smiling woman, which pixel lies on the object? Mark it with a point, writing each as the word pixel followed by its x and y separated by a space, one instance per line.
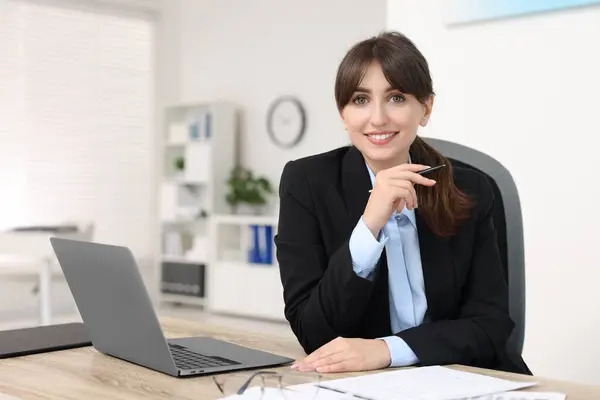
pixel 380 265
pixel 383 97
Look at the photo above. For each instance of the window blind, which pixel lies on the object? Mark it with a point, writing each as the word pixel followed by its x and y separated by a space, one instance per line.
pixel 76 118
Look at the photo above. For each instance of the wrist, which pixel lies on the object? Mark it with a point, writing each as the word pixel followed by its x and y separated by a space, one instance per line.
pixel 386 355
pixel 373 227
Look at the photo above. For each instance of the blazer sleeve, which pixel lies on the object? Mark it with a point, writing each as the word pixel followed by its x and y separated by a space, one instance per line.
pixel 478 336
pixel 324 297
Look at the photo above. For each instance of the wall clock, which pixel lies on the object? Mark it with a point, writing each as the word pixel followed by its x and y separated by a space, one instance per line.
pixel 286 121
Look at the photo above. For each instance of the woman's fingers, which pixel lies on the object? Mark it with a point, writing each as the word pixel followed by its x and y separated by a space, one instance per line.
pixel 406 191
pixel 411 177
pixel 402 195
pixel 409 167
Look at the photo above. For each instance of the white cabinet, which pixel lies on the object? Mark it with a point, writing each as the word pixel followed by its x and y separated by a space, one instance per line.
pixel 236 285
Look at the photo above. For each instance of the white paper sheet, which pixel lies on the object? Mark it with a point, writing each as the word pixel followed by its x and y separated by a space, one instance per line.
pixel 425 383
pixel 274 394
pixel 518 395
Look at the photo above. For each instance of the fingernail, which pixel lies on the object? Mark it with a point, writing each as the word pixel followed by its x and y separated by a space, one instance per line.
pixel 294 366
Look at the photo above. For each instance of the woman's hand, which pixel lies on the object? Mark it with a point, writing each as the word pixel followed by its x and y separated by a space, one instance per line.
pixel 346 355
pixel 393 190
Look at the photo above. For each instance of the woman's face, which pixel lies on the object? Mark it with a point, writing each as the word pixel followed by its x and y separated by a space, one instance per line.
pixel 382 122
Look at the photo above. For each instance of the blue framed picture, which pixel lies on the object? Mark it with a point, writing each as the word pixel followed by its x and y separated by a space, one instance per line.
pixel 467 11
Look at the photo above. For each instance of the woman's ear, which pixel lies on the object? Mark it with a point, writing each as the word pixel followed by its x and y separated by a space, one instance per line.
pixel 428 107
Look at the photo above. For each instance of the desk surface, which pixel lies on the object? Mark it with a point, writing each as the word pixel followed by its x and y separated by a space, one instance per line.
pixel 87 374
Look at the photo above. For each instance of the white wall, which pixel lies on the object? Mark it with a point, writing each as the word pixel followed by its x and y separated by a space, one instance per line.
pixel 524 90
pixel 250 52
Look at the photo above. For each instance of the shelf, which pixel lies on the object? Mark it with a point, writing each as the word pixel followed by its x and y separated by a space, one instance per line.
pixel 187 142
pixel 178 298
pixel 181 180
pixel 235 219
pixel 184 221
pixel 181 259
pixel 243 264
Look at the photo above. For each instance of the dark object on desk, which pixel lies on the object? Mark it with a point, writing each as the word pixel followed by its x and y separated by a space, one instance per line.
pixel 48 228
pixel 42 339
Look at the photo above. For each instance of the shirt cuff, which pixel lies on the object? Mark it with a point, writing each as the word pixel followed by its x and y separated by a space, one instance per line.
pixel 365 250
pixel 400 353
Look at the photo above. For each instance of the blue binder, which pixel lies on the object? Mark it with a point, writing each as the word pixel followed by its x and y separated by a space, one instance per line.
pixel 261 246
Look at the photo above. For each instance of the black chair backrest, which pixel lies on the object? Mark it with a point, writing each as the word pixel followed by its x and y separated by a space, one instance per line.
pixel 508 221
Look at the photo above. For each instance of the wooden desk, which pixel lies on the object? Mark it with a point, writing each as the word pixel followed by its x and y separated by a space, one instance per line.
pixel 86 374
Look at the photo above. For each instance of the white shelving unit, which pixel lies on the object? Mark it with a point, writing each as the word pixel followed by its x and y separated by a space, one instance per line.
pixel 199 151
pixel 235 285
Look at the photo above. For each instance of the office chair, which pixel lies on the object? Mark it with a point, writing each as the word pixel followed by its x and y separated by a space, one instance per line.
pixel 509 226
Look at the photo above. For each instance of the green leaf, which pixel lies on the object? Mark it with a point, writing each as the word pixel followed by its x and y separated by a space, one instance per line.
pixel 245 187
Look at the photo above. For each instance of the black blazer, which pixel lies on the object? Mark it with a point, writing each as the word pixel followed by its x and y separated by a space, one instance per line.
pixel 322 198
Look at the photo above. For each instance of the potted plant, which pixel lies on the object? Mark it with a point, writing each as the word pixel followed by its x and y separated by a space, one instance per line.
pixel 246 189
pixel 179 165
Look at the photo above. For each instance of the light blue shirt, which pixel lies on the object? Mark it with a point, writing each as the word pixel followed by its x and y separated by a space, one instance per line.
pixel 365 251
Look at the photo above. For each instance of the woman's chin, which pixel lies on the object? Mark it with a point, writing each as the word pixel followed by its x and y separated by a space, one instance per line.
pixel 382 154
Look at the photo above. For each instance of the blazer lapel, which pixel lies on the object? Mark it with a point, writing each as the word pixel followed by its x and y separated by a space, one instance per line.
pixel 438 271
pixel 437 264
pixel 356 184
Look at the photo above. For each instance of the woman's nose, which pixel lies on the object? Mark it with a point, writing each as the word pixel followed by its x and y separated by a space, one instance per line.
pixel 378 115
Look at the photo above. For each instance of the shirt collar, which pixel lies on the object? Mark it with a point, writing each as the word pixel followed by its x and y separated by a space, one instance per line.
pixel 409 213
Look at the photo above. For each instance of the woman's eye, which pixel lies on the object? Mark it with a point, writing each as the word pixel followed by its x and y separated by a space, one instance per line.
pixel 359 100
pixel 396 98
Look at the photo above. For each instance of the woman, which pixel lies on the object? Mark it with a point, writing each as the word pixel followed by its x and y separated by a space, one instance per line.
pixel 382 266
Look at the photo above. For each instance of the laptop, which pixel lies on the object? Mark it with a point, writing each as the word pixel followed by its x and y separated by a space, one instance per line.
pixel 120 320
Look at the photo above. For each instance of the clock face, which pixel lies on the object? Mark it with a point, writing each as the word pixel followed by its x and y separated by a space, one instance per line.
pixel 286 121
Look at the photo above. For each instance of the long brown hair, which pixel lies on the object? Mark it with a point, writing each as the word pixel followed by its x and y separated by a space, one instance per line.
pixel 442 206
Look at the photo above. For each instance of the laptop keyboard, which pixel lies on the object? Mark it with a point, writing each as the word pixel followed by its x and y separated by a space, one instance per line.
pixel 187 359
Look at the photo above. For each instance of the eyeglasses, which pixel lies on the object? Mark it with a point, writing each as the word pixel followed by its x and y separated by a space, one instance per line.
pixel 277 386
pixel 269 382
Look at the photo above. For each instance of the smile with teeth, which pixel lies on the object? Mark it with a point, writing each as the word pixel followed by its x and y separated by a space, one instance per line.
pixel 381 137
